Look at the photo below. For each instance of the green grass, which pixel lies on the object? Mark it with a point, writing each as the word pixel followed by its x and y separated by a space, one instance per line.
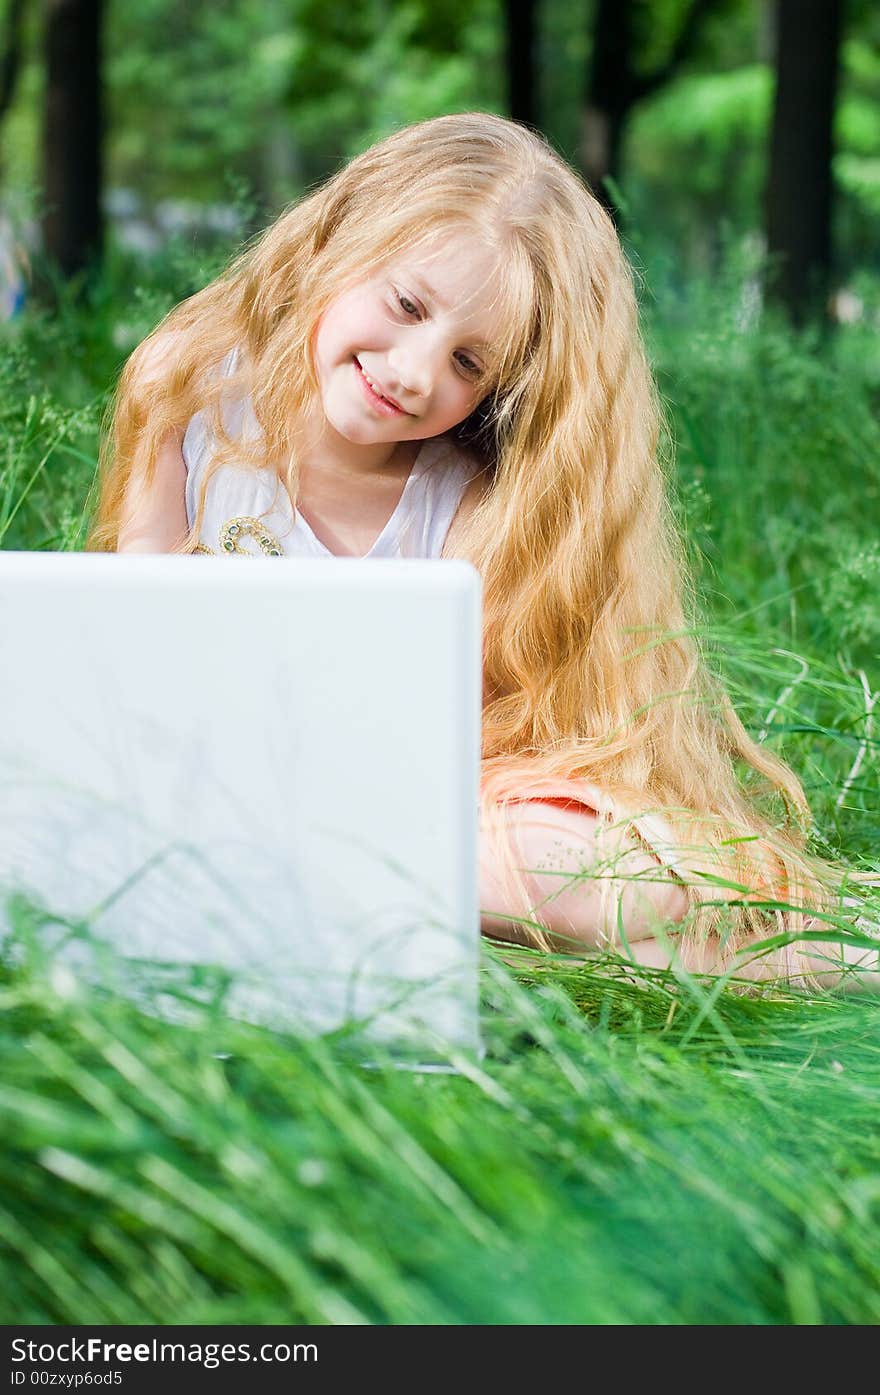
pixel 620 1155
pixel 665 1151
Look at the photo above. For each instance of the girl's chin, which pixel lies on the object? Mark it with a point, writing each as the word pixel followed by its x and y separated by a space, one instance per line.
pixel 360 433
pixel 359 426
pixel 365 427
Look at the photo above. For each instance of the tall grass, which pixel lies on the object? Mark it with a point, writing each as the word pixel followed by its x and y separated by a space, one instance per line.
pixel 621 1155
pixel 657 1151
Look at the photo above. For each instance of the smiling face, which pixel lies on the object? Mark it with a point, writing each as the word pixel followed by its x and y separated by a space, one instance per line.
pixel 403 354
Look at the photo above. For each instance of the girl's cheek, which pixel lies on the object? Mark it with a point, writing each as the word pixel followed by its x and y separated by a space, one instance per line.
pixel 470 400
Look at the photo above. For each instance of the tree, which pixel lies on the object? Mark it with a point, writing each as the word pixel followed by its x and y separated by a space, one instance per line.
pixel 519 24
pixel 799 185
pixel 615 85
pixel 72 136
pixel 10 53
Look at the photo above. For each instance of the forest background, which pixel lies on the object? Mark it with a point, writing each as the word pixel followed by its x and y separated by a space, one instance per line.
pixel 665 1153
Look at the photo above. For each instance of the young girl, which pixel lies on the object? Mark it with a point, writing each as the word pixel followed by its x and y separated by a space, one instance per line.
pixel 437 354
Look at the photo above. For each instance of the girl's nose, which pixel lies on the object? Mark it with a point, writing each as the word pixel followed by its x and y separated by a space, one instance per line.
pixel 414 369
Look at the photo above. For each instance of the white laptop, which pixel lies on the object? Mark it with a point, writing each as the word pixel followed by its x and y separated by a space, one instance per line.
pixel 267 768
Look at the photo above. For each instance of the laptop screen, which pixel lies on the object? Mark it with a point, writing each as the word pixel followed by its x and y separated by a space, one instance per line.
pixel 268 769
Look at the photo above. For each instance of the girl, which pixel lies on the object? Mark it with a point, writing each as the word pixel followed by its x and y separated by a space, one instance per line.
pixel 437 354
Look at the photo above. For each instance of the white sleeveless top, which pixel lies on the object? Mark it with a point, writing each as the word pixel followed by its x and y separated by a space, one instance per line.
pixel 248 512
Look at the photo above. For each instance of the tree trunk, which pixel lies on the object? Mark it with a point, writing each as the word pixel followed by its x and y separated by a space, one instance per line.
pixel 615 86
pixel 799 186
pixel 608 98
pixel 10 54
pixel 72 137
pixel 519 22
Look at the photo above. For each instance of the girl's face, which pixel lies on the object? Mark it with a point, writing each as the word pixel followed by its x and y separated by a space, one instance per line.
pixel 401 356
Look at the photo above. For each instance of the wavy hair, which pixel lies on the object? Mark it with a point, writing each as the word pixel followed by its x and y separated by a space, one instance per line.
pixel 591 665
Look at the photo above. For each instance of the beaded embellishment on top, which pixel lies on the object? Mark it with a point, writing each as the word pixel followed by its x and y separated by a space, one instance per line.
pixel 234 529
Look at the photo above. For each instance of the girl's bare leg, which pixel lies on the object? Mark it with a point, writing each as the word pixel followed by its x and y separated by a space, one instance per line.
pixel 625 884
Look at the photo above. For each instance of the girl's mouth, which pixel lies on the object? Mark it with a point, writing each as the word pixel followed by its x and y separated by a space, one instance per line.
pixel 375 398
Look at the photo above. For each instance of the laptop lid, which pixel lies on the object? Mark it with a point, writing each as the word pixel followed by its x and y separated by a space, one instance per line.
pixel 269 768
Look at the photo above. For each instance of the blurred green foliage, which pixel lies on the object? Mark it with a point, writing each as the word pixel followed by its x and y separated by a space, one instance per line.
pixel 273 94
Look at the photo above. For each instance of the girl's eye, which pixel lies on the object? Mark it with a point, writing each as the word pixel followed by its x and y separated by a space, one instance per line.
pixel 406 305
pixel 469 366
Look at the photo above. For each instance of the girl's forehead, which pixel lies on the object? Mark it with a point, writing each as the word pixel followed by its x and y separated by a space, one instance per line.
pixel 457 274
pixel 455 259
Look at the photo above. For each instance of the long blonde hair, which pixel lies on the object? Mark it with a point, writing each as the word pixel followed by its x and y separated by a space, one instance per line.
pixel 592 669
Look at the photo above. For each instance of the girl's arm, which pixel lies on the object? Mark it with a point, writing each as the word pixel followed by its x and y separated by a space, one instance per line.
pixel 154 516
